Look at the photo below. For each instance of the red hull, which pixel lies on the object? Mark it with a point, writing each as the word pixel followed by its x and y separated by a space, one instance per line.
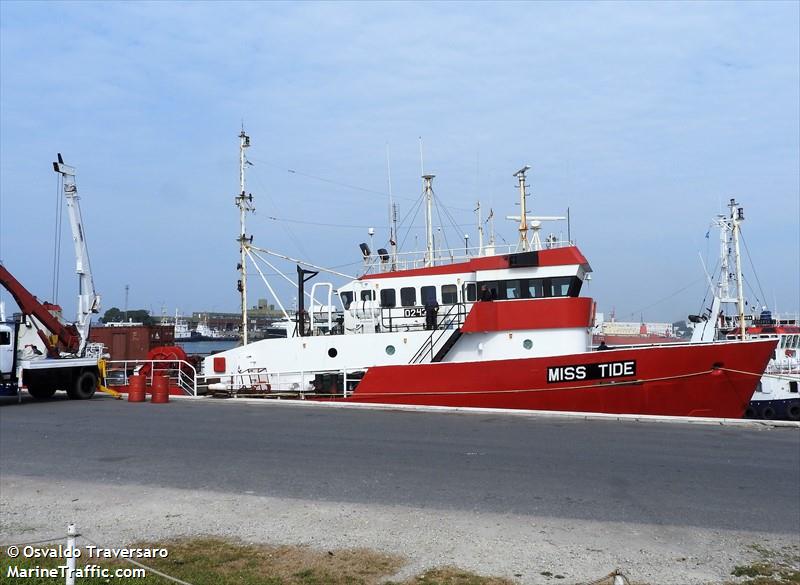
pixel 676 380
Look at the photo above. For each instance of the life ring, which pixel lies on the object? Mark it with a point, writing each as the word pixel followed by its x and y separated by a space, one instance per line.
pixel 768 413
pixel 793 411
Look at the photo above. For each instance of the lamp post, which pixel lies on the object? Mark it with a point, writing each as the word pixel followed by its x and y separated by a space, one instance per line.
pixel 466 244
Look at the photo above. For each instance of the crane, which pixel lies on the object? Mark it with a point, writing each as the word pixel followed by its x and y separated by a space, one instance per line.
pixel 88 299
pixel 66 365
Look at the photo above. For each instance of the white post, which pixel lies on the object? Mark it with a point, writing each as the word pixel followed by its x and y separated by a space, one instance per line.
pixel 523 211
pixel 429 251
pixel 245 204
pixel 480 229
pixel 71 534
pixel 737 216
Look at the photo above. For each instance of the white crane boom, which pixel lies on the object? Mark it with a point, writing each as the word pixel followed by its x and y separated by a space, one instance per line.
pixel 88 299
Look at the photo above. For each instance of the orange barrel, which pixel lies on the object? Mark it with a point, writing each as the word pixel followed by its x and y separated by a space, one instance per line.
pixel 136 391
pixel 160 390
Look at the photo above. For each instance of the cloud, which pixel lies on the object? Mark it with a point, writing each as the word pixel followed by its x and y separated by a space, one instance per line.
pixel 641 117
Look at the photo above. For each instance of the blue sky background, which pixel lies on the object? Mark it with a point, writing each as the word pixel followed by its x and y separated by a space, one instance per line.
pixel 643 118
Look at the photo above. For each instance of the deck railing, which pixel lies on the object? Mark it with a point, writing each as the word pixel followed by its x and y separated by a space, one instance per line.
pixel 410 260
pixel 181 374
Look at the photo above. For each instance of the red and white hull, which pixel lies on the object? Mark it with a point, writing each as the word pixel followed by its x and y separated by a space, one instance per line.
pixel 526 344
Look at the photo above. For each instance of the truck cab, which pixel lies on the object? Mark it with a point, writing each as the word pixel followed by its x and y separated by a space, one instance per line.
pixel 7 342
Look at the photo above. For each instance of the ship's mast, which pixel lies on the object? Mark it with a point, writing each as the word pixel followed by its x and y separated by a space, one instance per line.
pixel 523 214
pixel 480 228
pixel 245 203
pixel 724 252
pixel 429 251
pixel 737 216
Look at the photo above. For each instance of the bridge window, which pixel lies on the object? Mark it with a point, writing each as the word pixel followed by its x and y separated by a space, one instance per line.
pixel 493 288
pixel 408 296
pixel 512 289
pixel 367 295
pixel 449 294
pixel 388 298
pixel 347 298
pixel 471 292
pixel 428 294
pixel 534 288
pixel 5 338
pixel 560 286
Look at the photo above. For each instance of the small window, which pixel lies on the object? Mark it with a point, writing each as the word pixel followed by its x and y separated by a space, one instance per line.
pixel 493 288
pixel 534 289
pixel 471 292
pixel 408 296
pixel 560 286
pixel 449 294
pixel 428 294
pixel 367 295
pixel 347 298
pixel 513 290
pixel 5 338
pixel 388 298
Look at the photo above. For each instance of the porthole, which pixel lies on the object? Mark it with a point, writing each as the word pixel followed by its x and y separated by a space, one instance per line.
pixel 527 344
pixel 390 350
pixel 332 352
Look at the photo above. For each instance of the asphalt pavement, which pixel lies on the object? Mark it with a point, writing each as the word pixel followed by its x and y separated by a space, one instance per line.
pixel 712 477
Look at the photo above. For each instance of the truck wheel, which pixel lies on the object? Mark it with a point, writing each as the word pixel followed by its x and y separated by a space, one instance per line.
pixel 41 391
pixel 40 385
pixel 84 386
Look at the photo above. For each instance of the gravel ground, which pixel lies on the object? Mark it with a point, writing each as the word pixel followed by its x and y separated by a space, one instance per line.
pixel 516 546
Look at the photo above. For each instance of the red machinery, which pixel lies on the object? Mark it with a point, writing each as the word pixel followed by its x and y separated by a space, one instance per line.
pixel 66 336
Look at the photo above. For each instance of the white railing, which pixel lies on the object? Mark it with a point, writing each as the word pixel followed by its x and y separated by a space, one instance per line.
pixel 180 373
pixel 409 260
pixel 294 383
pixel 784 368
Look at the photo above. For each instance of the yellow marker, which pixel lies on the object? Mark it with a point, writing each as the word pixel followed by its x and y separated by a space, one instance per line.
pixel 101 383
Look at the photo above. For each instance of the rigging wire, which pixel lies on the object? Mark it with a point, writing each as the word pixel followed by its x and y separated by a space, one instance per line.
pixel 416 209
pixel 339 183
pixel 337 225
pixel 441 224
pixel 658 302
pixel 290 233
pixel 747 249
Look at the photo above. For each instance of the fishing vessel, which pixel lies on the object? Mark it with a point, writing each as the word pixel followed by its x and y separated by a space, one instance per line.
pixel 501 327
pixel 204 332
pixel 181 326
pixel 777 394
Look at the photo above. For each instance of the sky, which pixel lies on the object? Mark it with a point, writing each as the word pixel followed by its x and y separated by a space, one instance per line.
pixel 642 118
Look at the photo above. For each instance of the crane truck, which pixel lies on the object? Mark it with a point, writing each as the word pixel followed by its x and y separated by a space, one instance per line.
pixel 40 352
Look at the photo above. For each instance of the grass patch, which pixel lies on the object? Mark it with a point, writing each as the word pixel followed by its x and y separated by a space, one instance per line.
pixel 454 576
pixel 215 561
pixel 781 567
